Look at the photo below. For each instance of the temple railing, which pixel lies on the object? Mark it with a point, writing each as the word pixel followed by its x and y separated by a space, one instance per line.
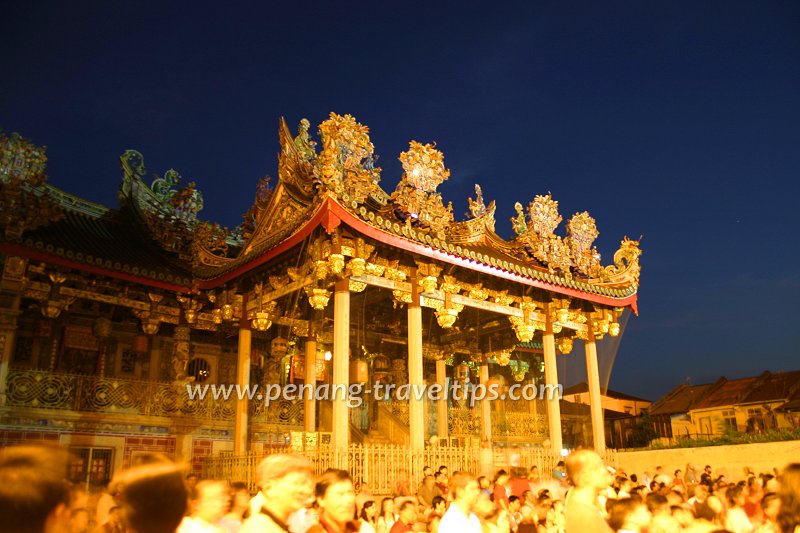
pixel 463 422
pixel 47 390
pixel 382 467
pixel 533 427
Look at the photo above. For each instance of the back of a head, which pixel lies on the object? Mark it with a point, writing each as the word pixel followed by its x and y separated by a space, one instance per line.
pixel 154 497
pixel 576 463
pixel 32 486
pixel 620 510
pixel 458 482
pixel 789 492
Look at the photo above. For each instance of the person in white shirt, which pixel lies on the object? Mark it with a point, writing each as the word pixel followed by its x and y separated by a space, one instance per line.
pixel 459 517
pixel 287 485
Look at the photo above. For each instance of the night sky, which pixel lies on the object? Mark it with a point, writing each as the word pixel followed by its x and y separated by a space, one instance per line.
pixel 678 121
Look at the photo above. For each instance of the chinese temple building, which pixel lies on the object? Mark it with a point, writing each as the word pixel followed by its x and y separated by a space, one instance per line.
pixel 115 322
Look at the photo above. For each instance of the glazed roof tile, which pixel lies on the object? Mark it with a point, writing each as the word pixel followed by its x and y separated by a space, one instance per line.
pixel 108 240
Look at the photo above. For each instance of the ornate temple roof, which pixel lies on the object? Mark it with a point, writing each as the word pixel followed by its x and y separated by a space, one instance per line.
pixel 156 236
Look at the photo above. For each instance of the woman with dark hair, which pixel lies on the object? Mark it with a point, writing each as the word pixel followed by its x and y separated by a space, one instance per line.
pixel 789 492
pixel 386 518
pixel 336 498
pixel 367 516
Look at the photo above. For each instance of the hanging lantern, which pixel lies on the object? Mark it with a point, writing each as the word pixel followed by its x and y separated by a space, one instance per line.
pixel 462 372
pixel 380 368
pixel 359 371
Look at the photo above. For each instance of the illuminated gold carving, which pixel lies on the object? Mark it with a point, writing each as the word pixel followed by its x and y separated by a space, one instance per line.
pixel 210 244
pixel 346 163
pixel 402 296
pixel 318 298
pixel 564 345
pixel 477 292
pixel 476 206
pixel 276 282
pixel 357 286
pixel 475 229
pixel 450 285
pixel 525 326
pixel 357 266
pixel 415 196
pixel 537 238
pixel 321 269
pixel 502 298
pixel 625 270
pixel 336 262
pixel 581 234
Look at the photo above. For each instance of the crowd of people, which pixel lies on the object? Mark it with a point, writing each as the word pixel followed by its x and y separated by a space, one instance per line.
pixel 581 494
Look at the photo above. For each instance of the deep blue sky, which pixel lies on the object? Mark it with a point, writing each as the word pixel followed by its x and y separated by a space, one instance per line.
pixel 678 121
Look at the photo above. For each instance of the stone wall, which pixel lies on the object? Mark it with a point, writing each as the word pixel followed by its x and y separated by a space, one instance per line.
pixel 729 460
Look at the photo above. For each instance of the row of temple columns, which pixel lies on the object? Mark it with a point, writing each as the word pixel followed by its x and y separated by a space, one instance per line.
pixel 341 369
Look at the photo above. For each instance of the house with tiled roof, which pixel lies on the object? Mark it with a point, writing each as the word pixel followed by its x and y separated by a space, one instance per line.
pixel 670 414
pixel 752 405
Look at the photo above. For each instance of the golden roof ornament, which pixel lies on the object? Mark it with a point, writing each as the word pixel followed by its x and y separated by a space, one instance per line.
pixel 415 197
pixel 625 270
pixel 476 206
pixel 581 234
pixel 537 237
pixel 346 164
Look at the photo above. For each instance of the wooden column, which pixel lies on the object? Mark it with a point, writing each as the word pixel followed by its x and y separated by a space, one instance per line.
pixel 442 429
pixel 341 367
pixel 310 381
pixel 595 405
pixel 241 425
pixel 415 403
pixel 551 386
pixel 485 407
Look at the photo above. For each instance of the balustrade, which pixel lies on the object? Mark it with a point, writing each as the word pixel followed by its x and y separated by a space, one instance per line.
pixel 46 390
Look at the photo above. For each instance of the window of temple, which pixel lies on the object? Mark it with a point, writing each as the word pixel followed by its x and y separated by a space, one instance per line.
pixel 90 468
pixel 199 369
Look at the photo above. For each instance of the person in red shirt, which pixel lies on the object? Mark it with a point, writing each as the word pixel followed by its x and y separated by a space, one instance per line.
pixel 519 483
pixel 408 517
pixel 500 492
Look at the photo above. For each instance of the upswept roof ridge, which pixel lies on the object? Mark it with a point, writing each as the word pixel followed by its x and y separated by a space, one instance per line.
pixel 312 187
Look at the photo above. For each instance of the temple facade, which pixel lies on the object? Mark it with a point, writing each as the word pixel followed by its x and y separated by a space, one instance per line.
pixel 145 328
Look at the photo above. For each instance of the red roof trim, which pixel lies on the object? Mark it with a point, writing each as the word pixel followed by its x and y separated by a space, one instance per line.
pixel 330 214
pixel 322 216
pixel 395 240
pixel 35 255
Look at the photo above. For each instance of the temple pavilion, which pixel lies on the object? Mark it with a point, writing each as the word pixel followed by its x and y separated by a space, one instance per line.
pixel 112 318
